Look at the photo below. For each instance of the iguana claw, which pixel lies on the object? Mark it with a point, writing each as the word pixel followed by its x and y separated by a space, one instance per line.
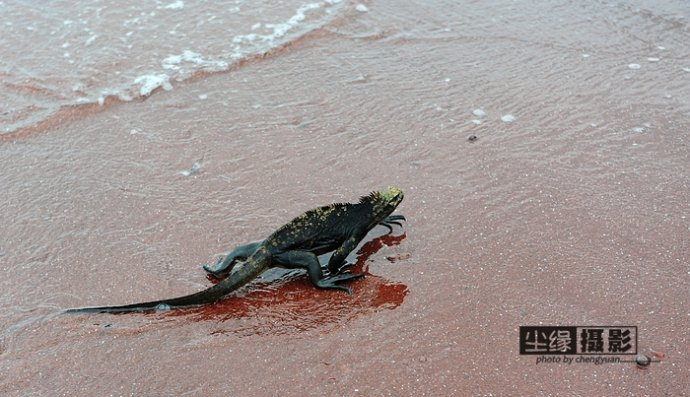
pixel 345 269
pixel 330 281
pixel 214 269
pixel 392 220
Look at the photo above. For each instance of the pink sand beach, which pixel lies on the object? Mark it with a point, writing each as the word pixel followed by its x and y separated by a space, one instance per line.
pixel 543 148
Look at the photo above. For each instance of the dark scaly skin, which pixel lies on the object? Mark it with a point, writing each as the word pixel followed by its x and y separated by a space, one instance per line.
pixel 296 245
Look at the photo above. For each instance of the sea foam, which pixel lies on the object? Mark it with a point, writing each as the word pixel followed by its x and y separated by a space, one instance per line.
pixel 149 83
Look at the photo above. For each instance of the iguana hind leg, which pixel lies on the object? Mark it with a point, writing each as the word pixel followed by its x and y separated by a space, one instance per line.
pixel 225 264
pixel 310 262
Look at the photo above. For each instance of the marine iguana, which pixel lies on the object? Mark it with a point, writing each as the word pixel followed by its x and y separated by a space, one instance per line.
pixel 337 227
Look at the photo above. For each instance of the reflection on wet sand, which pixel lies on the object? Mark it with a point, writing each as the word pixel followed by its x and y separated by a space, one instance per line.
pixel 284 302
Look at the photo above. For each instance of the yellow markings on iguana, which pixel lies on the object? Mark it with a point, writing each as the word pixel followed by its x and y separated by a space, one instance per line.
pixel 389 193
pixel 321 214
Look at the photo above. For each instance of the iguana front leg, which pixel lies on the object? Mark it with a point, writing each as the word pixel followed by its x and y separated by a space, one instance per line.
pixel 337 264
pixel 392 220
pixel 309 261
pixel 225 264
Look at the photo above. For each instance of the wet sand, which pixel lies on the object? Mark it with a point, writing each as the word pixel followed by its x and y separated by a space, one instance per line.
pixel 573 213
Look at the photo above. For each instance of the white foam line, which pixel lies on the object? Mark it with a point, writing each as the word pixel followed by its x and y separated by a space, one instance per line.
pixel 149 82
pixel 173 62
pixel 279 29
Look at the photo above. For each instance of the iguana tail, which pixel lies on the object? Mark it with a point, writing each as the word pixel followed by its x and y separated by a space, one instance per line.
pixel 238 278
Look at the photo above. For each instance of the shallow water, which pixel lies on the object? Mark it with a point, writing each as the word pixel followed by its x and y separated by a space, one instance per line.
pixel 570 207
pixel 88 54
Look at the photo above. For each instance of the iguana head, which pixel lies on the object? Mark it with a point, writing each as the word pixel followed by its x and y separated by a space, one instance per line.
pixel 383 202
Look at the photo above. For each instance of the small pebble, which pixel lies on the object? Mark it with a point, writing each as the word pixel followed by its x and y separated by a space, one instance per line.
pixel 361 8
pixel 472 138
pixel 476 121
pixel 398 257
pixel 479 112
pixel 642 360
pixel 196 167
pixel 634 66
pixel 507 118
pixel 651 59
